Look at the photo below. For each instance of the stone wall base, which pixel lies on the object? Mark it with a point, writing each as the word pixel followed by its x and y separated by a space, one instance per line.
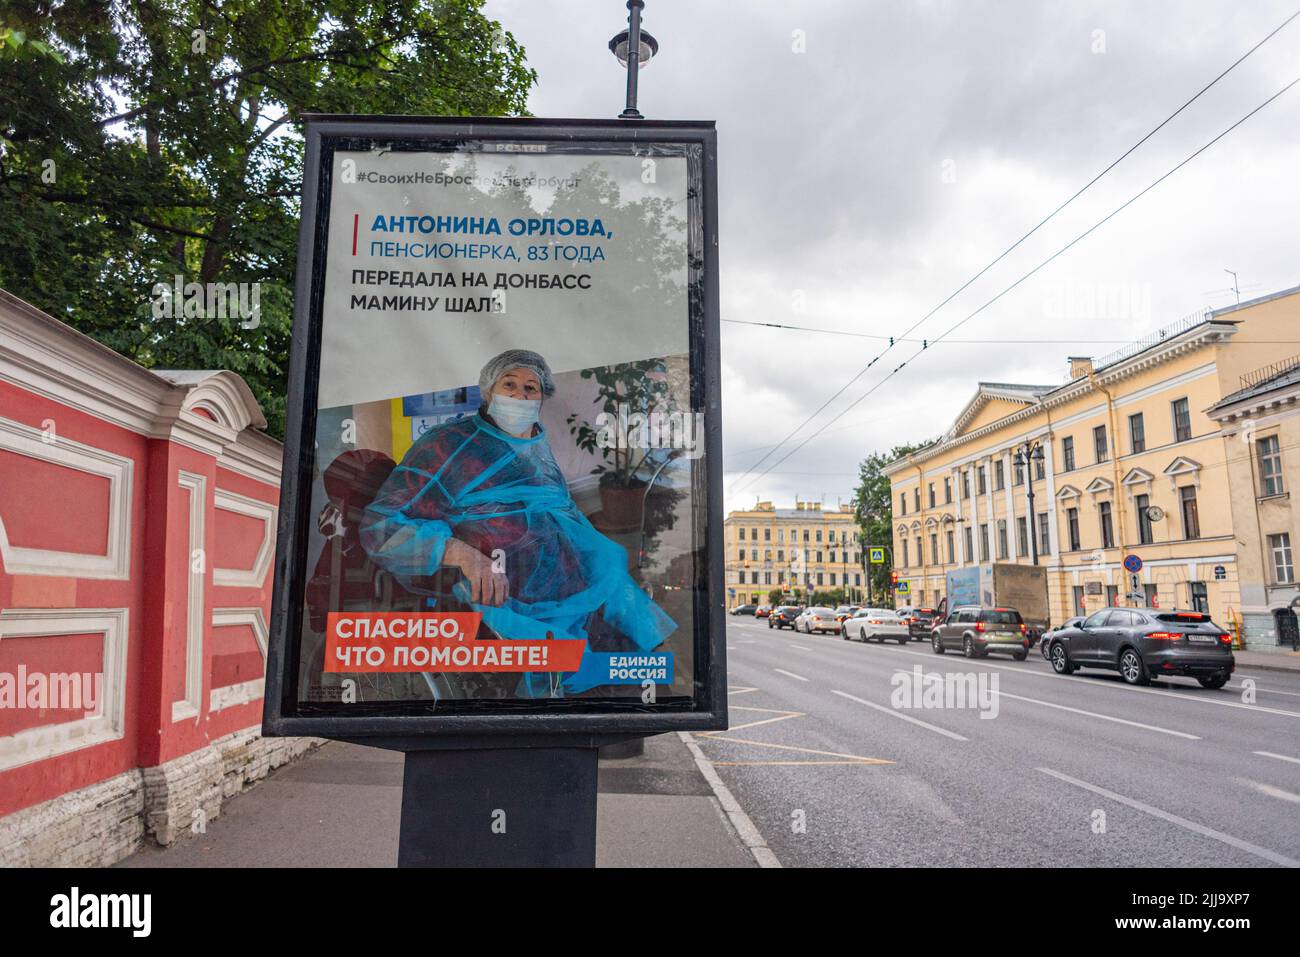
pixel 101 824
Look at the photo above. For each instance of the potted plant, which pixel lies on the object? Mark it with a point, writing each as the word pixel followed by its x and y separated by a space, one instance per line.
pixel 623 390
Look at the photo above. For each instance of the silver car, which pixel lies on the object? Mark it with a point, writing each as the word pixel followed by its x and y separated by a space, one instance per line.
pixel 817 619
pixel 877 624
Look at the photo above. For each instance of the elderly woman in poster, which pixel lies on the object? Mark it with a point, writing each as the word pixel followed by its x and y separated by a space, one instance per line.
pixel 478 515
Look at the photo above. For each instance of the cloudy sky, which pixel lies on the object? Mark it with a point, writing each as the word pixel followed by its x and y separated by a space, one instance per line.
pixel 875 156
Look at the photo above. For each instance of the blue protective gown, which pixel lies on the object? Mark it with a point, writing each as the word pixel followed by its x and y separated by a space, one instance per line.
pixel 469 480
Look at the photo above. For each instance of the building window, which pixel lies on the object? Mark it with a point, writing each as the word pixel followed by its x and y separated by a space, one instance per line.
pixel 753 534
pixel 819 578
pixel 1142 503
pixel 780 554
pixel 984 542
pixel 1191 517
pixel 1137 433
pixel 947 491
pixel 819 537
pixel 1067 453
pixel 916 498
pixel 832 559
pixel 742 534
pixel 980 486
pixel 965 484
pixel 1079 607
pixel 931 493
pixel 1107 525
pixel 905 559
pixel 1018 475
pixel 1269 452
pixel 1100 451
pixel 767 578
pixel 934 549
pixel 902 508
pixel 1112 596
pixel 1152 593
pixel 741 556
pixel 1072 523
pixel 767 534
pixel 831 537
pixel 999 476
pixel 819 558
pixel 1279 547
pixel 1200 598
pixel 805 534
pixel 969 547
pixel 753 557
pixel 1044 539
pixel 1040 470
pixel 920 556
pixel 1022 534
pixel 1182 421
pixel 1002 538
pixel 832 579
pixel 952 547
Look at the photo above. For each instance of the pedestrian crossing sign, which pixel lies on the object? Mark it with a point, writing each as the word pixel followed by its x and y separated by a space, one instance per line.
pixel 877 556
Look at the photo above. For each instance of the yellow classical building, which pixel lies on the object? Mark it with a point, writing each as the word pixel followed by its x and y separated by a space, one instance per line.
pixel 805 547
pixel 1124 460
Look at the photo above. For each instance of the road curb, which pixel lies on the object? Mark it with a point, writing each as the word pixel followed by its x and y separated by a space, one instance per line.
pixel 745 829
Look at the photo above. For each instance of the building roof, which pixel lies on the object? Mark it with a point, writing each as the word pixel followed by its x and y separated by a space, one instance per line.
pixel 1287 377
pixel 1205 325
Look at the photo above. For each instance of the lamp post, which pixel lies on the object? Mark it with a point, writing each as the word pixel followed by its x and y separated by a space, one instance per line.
pixel 633 47
pixel 1030 453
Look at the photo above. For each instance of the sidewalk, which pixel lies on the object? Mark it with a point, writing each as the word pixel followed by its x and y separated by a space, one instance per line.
pixel 340 806
pixel 1268 660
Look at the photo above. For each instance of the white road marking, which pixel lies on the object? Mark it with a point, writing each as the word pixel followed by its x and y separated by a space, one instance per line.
pixel 789 674
pixel 749 834
pixel 905 717
pixel 1197 696
pixel 1090 714
pixel 1271 791
pixel 1175 819
pixel 1280 757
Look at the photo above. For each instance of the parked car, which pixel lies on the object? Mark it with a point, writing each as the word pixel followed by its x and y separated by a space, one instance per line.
pixel 744 609
pixel 877 624
pixel 784 616
pixel 816 619
pixel 1046 645
pixel 762 611
pixel 975 631
pixel 1146 643
pixel 920 621
pixel 845 612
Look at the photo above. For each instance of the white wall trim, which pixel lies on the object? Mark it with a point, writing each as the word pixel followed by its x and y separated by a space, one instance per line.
pixel 106 723
pixel 192 703
pixel 264 512
pixel 115 563
pixel 246 691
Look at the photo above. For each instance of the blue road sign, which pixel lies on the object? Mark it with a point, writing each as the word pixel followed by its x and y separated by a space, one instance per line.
pixel 1132 564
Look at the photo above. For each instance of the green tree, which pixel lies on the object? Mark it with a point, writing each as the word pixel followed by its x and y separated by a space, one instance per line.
pixel 145 140
pixel 873 508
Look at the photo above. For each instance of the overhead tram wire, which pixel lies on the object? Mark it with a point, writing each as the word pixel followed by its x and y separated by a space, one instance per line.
pixel 962 288
pixel 961 322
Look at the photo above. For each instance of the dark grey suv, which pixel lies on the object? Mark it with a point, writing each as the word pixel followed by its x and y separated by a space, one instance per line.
pixel 1146 643
pixel 976 631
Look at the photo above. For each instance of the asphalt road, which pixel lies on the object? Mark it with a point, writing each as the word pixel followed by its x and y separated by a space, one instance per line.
pixel 1061 771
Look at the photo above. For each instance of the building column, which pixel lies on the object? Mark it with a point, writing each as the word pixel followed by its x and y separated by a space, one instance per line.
pixel 1009 468
pixel 957 528
pixel 1048 464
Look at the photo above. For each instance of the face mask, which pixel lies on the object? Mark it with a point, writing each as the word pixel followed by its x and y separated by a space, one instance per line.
pixel 516 416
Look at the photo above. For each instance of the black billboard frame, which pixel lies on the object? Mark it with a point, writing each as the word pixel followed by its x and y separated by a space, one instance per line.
pixel 415 732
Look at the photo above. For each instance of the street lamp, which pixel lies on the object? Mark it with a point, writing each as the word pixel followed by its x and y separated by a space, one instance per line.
pixel 1027 454
pixel 633 47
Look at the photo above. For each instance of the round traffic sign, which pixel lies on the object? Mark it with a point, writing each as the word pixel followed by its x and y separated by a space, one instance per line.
pixel 1132 563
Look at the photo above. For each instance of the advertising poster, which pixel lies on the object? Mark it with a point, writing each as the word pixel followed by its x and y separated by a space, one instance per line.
pixel 503 502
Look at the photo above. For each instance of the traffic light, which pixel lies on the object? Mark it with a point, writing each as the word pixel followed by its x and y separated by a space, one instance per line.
pixel 893 579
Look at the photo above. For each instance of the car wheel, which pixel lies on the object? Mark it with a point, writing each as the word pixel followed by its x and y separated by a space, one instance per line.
pixel 1060 660
pixel 1217 681
pixel 1131 668
pixel 936 644
pixel 968 647
pixel 903 641
pixel 1020 655
pixel 844 632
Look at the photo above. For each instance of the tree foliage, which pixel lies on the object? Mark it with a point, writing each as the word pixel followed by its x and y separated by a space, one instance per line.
pixel 873 508
pixel 150 139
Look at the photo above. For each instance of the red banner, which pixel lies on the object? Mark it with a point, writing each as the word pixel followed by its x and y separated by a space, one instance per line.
pixel 394 642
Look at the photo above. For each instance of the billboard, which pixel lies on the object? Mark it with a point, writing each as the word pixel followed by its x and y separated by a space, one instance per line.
pixel 501 508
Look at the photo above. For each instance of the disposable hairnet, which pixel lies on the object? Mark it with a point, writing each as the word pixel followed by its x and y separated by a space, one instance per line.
pixel 515 359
